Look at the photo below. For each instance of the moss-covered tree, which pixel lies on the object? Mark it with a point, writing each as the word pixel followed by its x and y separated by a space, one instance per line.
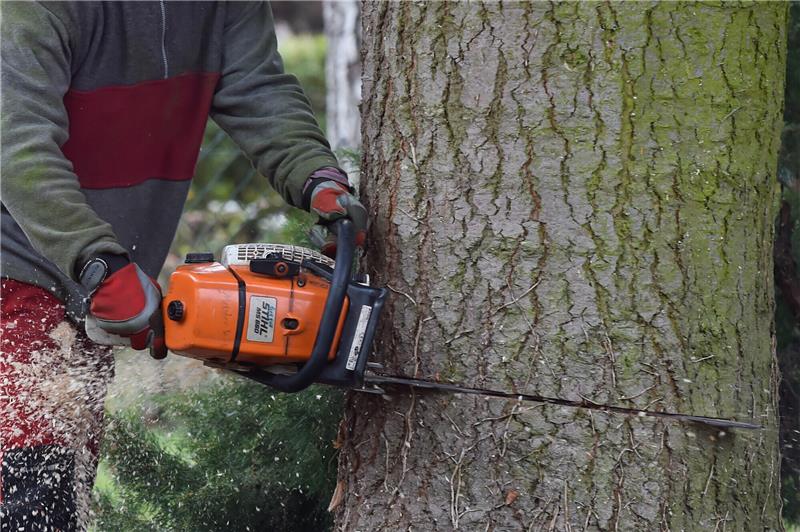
pixel 572 199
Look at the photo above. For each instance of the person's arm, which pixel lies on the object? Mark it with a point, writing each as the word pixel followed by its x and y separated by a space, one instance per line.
pixel 264 109
pixel 39 188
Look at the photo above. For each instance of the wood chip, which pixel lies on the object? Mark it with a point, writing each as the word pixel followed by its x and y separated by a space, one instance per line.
pixel 511 496
pixel 338 496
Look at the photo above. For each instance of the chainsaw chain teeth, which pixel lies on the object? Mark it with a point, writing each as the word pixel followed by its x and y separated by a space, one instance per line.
pixel 242 254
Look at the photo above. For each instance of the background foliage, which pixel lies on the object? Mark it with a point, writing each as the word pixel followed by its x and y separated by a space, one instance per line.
pixel 787 325
pixel 230 457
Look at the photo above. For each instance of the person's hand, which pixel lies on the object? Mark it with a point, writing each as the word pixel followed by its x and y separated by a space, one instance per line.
pixel 332 200
pixel 127 303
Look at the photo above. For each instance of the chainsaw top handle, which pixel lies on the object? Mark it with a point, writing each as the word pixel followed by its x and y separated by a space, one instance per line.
pixel 308 373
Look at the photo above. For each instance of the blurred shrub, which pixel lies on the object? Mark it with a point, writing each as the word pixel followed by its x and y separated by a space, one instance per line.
pixel 789 167
pixel 787 326
pixel 233 457
pixel 304 56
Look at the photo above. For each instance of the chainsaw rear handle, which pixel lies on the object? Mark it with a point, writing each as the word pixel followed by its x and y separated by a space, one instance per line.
pixel 310 371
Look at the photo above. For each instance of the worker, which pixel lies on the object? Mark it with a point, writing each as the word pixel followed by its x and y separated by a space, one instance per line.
pixel 103 111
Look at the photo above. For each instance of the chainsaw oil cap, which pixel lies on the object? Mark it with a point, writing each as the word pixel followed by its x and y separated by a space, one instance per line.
pixel 197 258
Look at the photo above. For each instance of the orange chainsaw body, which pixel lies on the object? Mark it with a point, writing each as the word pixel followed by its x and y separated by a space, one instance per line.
pixel 280 316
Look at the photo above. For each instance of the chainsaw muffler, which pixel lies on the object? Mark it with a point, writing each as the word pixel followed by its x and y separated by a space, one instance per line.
pixel 282 315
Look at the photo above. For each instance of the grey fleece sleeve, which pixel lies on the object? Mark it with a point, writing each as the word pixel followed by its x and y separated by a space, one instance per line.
pixel 39 188
pixel 263 109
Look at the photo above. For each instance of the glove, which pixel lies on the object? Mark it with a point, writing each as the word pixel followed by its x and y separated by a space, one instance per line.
pixel 126 303
pixel 330 198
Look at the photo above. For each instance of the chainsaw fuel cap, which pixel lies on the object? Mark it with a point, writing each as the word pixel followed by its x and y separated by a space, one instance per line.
pixel 175 310
pixel 198 258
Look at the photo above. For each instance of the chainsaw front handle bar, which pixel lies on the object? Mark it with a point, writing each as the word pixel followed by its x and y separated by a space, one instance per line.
pixel 310 371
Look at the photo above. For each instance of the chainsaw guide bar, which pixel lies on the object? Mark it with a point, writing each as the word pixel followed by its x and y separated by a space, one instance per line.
pixel 379 380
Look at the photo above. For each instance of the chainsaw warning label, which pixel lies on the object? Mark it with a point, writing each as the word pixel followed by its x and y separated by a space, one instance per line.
pixel 358 337
pixel 261 321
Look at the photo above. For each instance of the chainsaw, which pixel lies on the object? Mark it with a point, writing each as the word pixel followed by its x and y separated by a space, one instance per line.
pixel 288 317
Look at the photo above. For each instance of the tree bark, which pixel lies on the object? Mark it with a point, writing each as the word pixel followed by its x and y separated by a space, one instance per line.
pixel 575 200
pixel 343 78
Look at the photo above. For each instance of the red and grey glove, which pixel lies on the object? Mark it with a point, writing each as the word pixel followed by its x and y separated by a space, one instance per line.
pixel 124 301
pixel 329 195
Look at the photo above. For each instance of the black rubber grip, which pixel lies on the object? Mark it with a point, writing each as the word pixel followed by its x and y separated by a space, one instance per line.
pixel 310 371
pixel 240 317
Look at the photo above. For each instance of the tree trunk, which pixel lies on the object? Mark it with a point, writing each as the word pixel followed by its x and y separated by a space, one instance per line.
pixel 575 200
pixel 343 78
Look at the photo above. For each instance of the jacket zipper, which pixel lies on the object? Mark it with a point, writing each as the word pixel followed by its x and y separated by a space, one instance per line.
pixel 164 38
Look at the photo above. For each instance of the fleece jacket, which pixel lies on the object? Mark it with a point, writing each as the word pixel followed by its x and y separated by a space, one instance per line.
pixel 104 105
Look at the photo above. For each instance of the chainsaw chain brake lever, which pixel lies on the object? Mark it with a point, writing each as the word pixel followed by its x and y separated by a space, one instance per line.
pixel 339 280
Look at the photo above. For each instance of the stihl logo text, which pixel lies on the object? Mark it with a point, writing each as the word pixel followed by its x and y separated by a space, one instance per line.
pixel 261 319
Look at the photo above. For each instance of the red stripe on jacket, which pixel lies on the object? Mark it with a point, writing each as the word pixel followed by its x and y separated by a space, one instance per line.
pixel 122 136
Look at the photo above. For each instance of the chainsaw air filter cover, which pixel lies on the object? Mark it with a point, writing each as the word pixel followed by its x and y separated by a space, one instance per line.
pixel 242 254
